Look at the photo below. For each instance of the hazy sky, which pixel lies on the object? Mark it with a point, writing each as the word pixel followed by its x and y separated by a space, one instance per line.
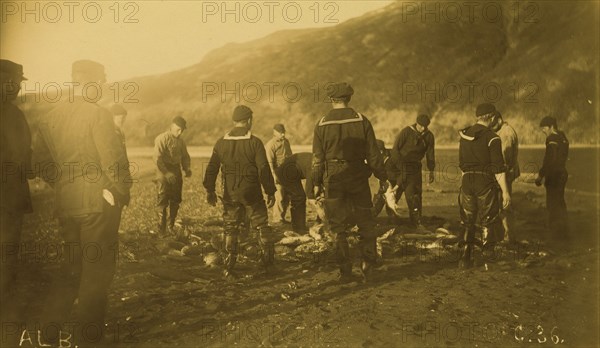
pixel 147 37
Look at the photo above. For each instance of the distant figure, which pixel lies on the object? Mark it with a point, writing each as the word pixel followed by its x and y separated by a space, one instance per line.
pixel 80 155
pixel 15 154
pixel 119 116
pixel 482 164
pixel 241 158
pixel 510 153
pixel 278 149
pixel 171 157
pixel 345 155
pixel 378 198
pixel 554 175
pixel 412 144
pixel 290 173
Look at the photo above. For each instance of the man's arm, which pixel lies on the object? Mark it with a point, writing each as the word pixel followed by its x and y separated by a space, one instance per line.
pixel 498 168
pixel 212 171
pixel 318 160
pixel 549 157
pixel 374 159
pixel 42 158
pixel 185 159
pixel 430 153
pixel 112 156
pixel 272 159
pixel 264 170
pixel 158 157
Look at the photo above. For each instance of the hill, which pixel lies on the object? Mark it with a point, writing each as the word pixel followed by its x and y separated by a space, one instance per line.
pixel 538 59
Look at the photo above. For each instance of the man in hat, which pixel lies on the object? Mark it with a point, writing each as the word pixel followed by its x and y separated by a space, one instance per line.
pixel 241 158
pixel 483 181
pixel 345 154
pixel 379 201
pixel 278 149
pixel 412 144
pixel 510 153
pixel 171 157
pixel 291 172
pixel 15 154
pixel 78 153
pixel 554 176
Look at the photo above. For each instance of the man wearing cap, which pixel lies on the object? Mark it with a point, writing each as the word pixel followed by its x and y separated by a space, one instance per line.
pixel 291 172
pixel 345 154
pixel 412 144
pixel 510 153
pixel 242 160
pixel 278 149
pixel 554 175
pixel 379 198
pixel 171 157
pixel 15 153
pixel 78 153
pixel 483 181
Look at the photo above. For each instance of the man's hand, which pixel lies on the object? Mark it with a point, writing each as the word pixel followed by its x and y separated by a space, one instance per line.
pixel 431 177
pixel 211 198
pixel 270 201
pixel 170 178
pixel 505 200
pixel 538 180
pixel 188 173
pixel 318 191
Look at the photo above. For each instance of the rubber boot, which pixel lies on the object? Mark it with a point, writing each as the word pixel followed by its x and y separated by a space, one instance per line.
pixel 162 221
pixel 173 209
pixel 342 251
pixel 466 257
pixel 368 253
pixel 231 248
pixel 268 249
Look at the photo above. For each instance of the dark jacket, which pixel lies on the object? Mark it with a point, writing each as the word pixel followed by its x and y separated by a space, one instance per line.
pixel 296 168
pixel 557 153
pixel 411 146
pixel 480 151
pixel 344 147
pixel 15 154
pixel 79 154
pixel 241 158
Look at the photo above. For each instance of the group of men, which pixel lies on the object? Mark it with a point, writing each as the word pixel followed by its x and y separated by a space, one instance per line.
pixel 79 149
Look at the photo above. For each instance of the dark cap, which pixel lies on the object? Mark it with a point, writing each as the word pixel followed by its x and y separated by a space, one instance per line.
pixel 241 113
pixel 423 120
pixel 118 109
pixel 340 90
pixel 180 121
pixel 92 69
pixel 12 68
pixel 548 121
pixel 485 109
pixel 380 144
pixel 279 127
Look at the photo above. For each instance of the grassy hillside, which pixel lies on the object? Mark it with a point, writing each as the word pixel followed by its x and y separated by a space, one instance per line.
pixel 543 61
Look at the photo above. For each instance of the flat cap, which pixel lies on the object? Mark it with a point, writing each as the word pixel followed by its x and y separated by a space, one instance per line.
pixel 89 68
pixel 279 127
pixel 340 90
pixel 12 68
pixel 548 121
pixel 485 109
pixel 423 120
pixel 180 121
pixel 241 113
pixel 118 109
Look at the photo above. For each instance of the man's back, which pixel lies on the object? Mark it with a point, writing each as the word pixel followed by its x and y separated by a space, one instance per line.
pixel 78 140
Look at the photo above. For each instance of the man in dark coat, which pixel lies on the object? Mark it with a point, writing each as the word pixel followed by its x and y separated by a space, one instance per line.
pixel 15 154
pixel 483 181
pixel 78 152
pixel 241 158
pixel 345 154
